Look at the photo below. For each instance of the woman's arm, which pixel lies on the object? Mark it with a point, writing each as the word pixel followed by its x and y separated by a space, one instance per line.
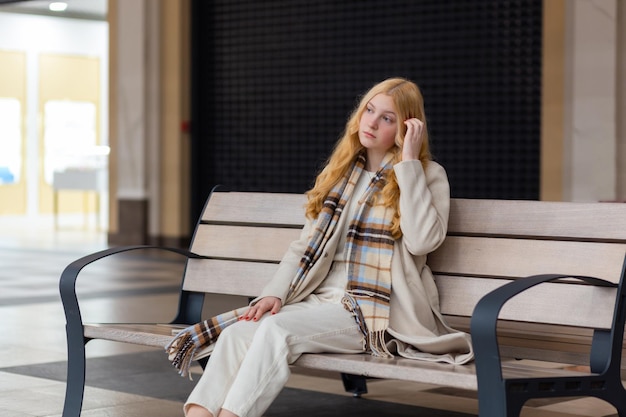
pixel 424 205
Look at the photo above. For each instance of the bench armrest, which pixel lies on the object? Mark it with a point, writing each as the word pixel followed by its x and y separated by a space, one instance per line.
pixel 485 317
pixel 67 282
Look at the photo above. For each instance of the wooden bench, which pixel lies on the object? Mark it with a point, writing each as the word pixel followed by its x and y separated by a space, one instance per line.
pixel 491 246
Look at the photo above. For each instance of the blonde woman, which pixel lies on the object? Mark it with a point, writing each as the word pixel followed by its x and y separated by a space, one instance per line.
pixel 356 281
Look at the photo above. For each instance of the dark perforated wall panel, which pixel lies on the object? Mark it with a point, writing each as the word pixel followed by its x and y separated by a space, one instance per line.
pixel 274 82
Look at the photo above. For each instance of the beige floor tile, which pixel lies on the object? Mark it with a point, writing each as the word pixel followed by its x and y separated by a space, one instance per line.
pixel 18 355
pixel 50 398
pixel 39 232
pixel 588 407
pixel 538 412
pixel 34 401
pixel 100 398
pixel 11 382
pixel 152 408
pixel 11 413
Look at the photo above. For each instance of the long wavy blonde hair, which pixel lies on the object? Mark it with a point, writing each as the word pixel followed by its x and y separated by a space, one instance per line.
pixel 408 103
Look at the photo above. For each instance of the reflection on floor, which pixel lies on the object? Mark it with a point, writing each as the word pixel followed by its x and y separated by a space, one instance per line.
pixel 33 255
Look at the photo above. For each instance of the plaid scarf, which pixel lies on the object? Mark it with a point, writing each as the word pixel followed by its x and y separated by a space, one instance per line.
pixel 369 249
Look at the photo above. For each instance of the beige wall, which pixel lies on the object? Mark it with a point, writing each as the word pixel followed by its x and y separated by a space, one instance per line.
pixel 149 96
pixel 621 101
pixel 583 94
pixel 590 141
pixel 552 94
pixel 175 160
pixel 113 39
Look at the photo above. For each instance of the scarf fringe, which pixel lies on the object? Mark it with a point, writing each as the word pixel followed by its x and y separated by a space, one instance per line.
pixel 373 340
pixel 350 304
pixel 377 344
pixel 180 352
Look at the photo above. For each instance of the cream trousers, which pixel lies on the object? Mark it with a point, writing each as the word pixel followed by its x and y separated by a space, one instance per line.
pixel 250 363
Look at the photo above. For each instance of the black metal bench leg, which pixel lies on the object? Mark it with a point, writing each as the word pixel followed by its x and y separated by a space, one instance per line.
pixel 356 384
pixel 620 405
pixel 514 408
pixel 75 387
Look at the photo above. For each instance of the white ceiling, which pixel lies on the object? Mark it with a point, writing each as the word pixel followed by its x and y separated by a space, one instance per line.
pixel 80 9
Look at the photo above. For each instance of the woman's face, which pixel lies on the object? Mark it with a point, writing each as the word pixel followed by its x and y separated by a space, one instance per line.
pixel 378 124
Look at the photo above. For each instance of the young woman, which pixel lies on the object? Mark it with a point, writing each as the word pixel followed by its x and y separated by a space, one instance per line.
pixel 356 280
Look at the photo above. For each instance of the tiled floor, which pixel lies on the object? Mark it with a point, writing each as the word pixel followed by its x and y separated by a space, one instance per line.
pixel 33 255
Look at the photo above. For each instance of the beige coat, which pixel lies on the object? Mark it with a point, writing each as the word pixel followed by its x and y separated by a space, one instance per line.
pixel 416 327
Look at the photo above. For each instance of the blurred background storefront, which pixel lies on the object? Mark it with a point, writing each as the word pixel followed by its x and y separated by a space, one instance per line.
pixel 54 115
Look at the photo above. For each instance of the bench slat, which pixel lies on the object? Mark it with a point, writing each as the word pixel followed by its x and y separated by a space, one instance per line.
pixel 601 221
pixel 463 376
pixel 156 335
pixel 270 208
pixel 566 304
pixel 228 277
pixel 243 242
pixel 520 257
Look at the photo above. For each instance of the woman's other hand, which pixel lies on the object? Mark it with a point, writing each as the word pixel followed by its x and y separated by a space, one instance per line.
pixel 264 305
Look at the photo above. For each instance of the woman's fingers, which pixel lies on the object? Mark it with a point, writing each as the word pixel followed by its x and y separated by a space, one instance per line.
pixel 264 305
pixel 412 139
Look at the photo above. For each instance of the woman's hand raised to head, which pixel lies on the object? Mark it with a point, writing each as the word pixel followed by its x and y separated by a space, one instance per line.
pixel 264 305
pixel 413 139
